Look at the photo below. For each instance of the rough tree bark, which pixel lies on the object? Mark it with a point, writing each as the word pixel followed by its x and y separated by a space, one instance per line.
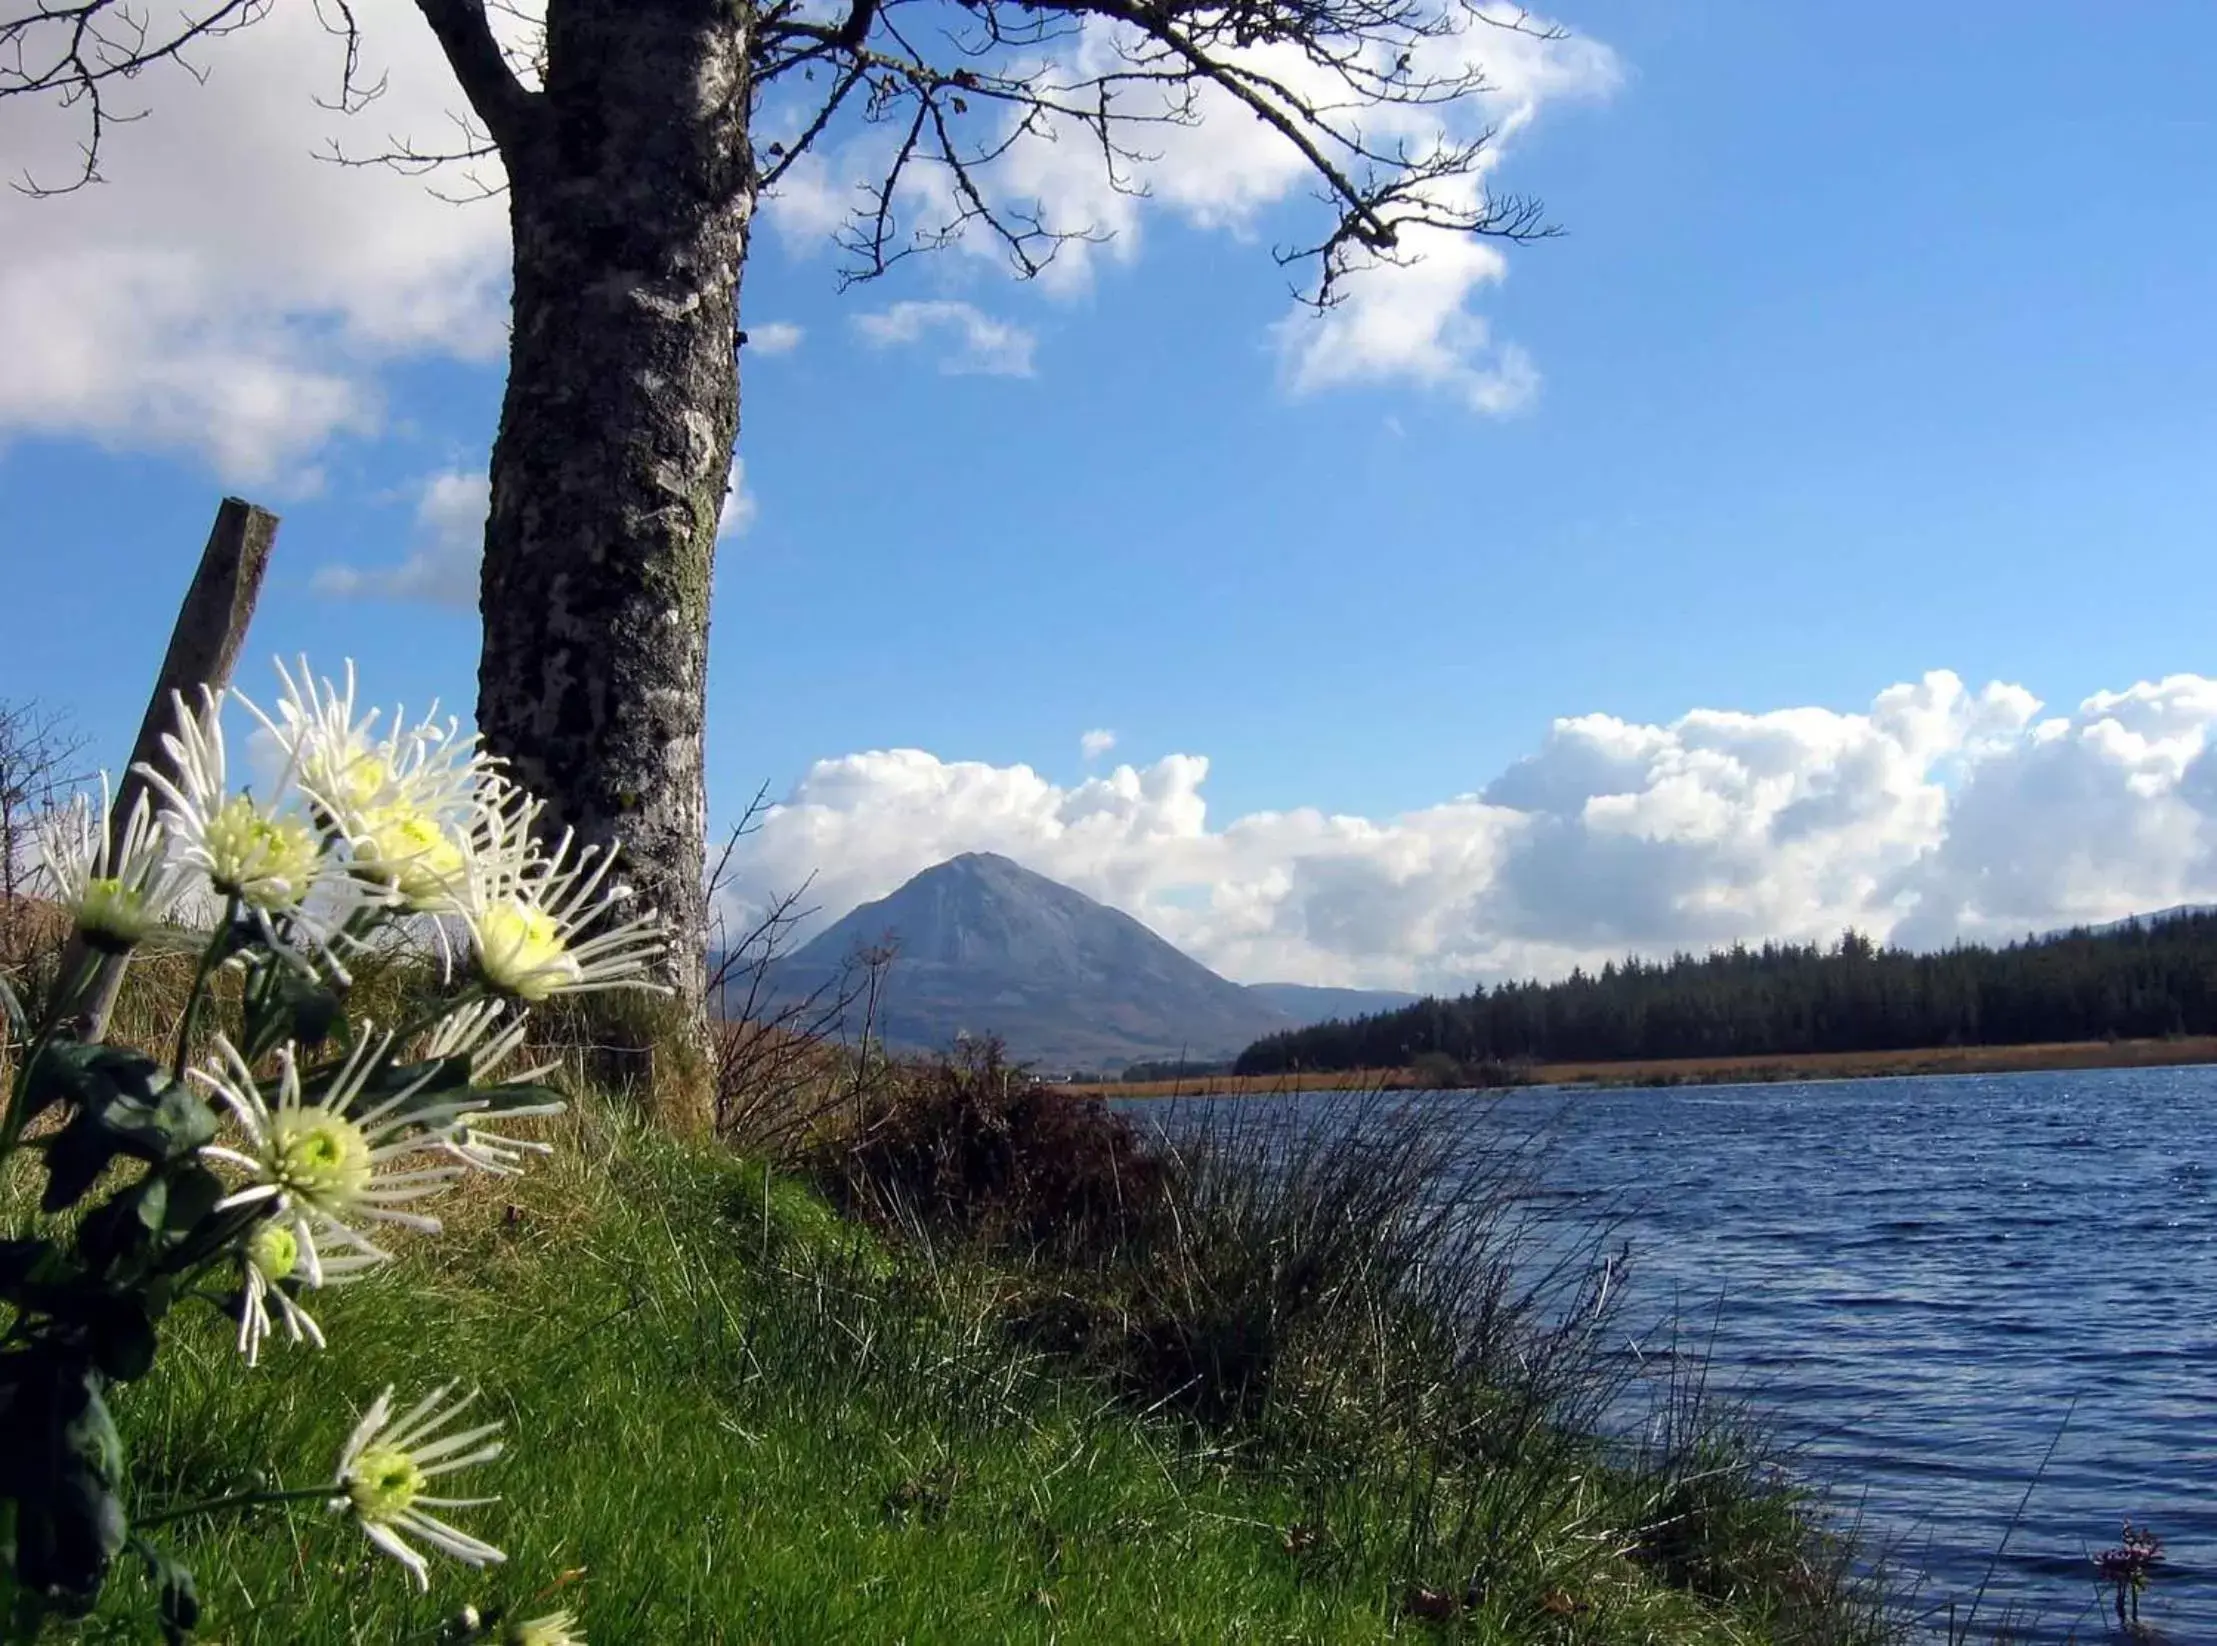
pixel 630 195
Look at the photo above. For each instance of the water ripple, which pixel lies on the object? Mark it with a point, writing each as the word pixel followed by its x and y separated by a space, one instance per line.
pixel 1920 1280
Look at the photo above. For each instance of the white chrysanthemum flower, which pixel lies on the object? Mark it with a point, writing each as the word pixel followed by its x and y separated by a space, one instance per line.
pixel 555 1629
pixel 529 912
pixel 284 1248
pixel 116 899
pixel 351 770
pixel 388 1464
pixel 472 1144
pixel 489 1033
pixel 478 1033
pixel 409 855
pixel 266 856
pixel 319 1159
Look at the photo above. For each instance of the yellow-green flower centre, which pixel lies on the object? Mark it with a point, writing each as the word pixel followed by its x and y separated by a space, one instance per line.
pixel 320 1156
pixel 383 1483
pixel 274 1251
pixel 521 951
pixel 350 777
pixel 112 916
pixel 270 862
pixel 404 848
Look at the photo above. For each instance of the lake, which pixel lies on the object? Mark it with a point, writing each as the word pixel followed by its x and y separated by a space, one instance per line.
pixel 1919 1280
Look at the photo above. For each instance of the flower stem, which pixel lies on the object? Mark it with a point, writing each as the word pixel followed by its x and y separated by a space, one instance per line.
pixel 210 957
pixel 19 1090
pixel 236 1500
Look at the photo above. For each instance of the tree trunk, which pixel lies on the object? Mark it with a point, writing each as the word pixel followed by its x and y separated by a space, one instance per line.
pixel 630 195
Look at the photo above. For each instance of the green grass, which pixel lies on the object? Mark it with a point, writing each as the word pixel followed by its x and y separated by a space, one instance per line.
pixel 735 1417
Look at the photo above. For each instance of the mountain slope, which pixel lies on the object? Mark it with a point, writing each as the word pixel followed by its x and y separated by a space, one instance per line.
pixel 985 946
pixel 1309 1003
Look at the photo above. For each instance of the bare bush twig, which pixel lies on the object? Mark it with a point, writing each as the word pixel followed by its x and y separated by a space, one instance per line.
pixel 780 1066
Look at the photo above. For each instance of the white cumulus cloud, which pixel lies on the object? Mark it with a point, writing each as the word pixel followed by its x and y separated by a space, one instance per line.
pixel 1096 743
pixel 1938 812
pixel 223 291
pixel 978 344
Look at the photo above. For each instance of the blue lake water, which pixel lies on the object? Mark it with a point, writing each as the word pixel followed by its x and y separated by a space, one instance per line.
pixel 1919 1281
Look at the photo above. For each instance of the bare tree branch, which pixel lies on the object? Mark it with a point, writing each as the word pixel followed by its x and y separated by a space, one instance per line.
pixel 1039 62
pixel 465 34
pixel 1361 61
pixel 41 763
pixel 77 53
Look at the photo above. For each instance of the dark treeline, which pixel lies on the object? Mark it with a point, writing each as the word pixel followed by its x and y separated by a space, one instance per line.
pixel 2144 980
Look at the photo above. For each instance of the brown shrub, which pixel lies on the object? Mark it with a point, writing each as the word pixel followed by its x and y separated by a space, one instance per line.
pixel 973 1146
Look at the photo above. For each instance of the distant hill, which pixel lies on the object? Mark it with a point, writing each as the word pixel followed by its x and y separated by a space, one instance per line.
pixel 2177 911
pixel 988 947
pixel 1311 1003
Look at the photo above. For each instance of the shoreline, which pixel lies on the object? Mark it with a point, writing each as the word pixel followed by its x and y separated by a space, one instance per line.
pixel 1756 1068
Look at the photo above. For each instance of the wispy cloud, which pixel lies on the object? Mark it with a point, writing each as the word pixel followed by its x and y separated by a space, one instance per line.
pixel 1095 744
pixel 976 343
pixel 774 337
pixel 450 546
pixel 740 506
pixel 449 543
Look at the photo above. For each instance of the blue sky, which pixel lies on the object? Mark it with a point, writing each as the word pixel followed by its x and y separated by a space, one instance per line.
pixel 1869 351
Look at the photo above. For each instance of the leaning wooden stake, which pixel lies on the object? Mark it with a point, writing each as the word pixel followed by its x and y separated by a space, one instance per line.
pixel 203 647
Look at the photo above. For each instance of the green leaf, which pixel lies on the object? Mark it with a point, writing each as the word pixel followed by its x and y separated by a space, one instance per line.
pixel 120 1229
pixel 85 1072
pixel 193 1193
pixel 20 1260
pixel 150 1204
pixel 54 1075
pixel 287 1000
pixel 120 1334
pixel 169 1127
pixel 126 1104
pixel 210 1237
pixel 63 1467
pixel 505 1099
pixel 139 1223
pixel 75 1157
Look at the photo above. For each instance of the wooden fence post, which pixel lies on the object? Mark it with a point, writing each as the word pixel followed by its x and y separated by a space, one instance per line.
pixel 203 647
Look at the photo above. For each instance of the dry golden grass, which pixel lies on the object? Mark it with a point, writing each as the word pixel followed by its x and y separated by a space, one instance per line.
pixel 2061 1054
pixel 1268 1085
pixel 1718 1071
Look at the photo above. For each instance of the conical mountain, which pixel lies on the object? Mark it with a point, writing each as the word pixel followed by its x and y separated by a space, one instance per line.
pixel 985 946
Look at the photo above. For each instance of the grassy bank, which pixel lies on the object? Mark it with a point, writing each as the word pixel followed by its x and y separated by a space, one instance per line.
pixel 738 1416
pixel 1716 1071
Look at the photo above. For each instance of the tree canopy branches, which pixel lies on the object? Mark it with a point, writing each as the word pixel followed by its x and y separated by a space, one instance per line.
pixel 1375 97
pixel 79 54
pixel 1360 90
